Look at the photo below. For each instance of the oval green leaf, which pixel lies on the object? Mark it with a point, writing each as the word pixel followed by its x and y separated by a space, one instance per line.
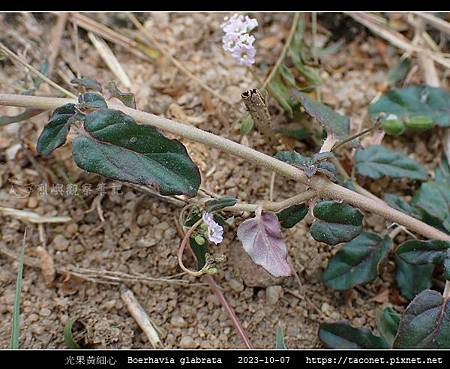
pixel 290 216
pixel 387 323
pixel 425 323
pixel 55 132
pixel 377 162
pixel 120 149
pixel 413 101
pixel 357 262
pixel 412 279
pixel 423 252
pixel 332 121
pixel 338 222
pixel 344 336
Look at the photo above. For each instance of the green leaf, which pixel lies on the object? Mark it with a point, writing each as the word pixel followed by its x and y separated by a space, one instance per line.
pixel 55 132
pixel 357 262
pixel 376 162
pixel 432 199
pixel 68 336
pixel 297 134
pixel 442 172
pixel 413 101
pixel 38 80
pixel 280 92
pixel 279 341
pixel 412 279
pixel 193 217
pixel 387 323
pixel 425 323
pixel 344 336
pixel 399 71
pixel 290 216
pixel 398 203
pixel 310 165
pixel 90 100
pixel 200 249
pixel 423 252
pixel 120 149
pixel 126 98
pixel 293 158
pixel 287 75
pixel 220 203
pixel 246 125
pixel 90 84
pixel 328 118
pixel 447 266
pixel 338 222
pixel 15 326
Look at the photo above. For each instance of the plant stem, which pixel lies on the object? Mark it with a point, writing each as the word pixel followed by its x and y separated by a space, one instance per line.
pixel 273 206
pixel 229 311
pixel 446 293
pixel 283 52
pixel 323 187
pixel 352 137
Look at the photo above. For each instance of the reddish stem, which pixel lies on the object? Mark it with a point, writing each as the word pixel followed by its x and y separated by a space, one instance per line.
pixel 229 310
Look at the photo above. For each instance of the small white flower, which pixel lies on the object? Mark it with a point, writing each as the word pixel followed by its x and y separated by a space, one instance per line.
pixel 231 41
pixel 215 231
pixel 237 39
pixel 239 24
pixel 245 55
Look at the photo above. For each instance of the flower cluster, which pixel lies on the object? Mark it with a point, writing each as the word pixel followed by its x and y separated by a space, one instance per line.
pixel 215 231
pixel 237 39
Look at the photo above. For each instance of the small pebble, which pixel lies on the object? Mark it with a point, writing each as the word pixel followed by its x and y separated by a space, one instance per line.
pixel 178 321
pixel 273 294
pixel 60 243
pixel 187 342
pixel 45 312
pixel 236 285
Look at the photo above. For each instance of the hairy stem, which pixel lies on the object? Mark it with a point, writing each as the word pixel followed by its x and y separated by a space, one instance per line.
pixel 323 187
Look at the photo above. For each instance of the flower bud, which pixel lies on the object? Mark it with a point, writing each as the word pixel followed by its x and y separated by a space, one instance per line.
pixel 393 127
pixel 419 123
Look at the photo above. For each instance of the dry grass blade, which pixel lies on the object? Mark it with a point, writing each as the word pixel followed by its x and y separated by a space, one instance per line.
pixel 108 34
pixel 395 38
pixel 18 59
pixel 434 21
pixel 29 216
pixel 110 59
pixel 15 328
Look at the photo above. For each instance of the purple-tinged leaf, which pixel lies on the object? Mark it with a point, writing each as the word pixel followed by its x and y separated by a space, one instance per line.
pixel 261 238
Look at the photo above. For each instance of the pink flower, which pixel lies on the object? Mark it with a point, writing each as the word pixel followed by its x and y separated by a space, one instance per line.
pixel 237 40
pixel 215 230
pixel 245 55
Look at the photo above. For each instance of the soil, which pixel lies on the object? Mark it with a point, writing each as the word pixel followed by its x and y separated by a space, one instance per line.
pixel 138 235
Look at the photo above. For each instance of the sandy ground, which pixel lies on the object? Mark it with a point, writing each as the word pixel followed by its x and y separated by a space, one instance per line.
pixel 139 235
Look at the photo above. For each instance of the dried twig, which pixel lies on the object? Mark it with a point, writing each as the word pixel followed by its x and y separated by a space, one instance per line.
pixel 110 59
pixel 141 317
pixel 29 216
